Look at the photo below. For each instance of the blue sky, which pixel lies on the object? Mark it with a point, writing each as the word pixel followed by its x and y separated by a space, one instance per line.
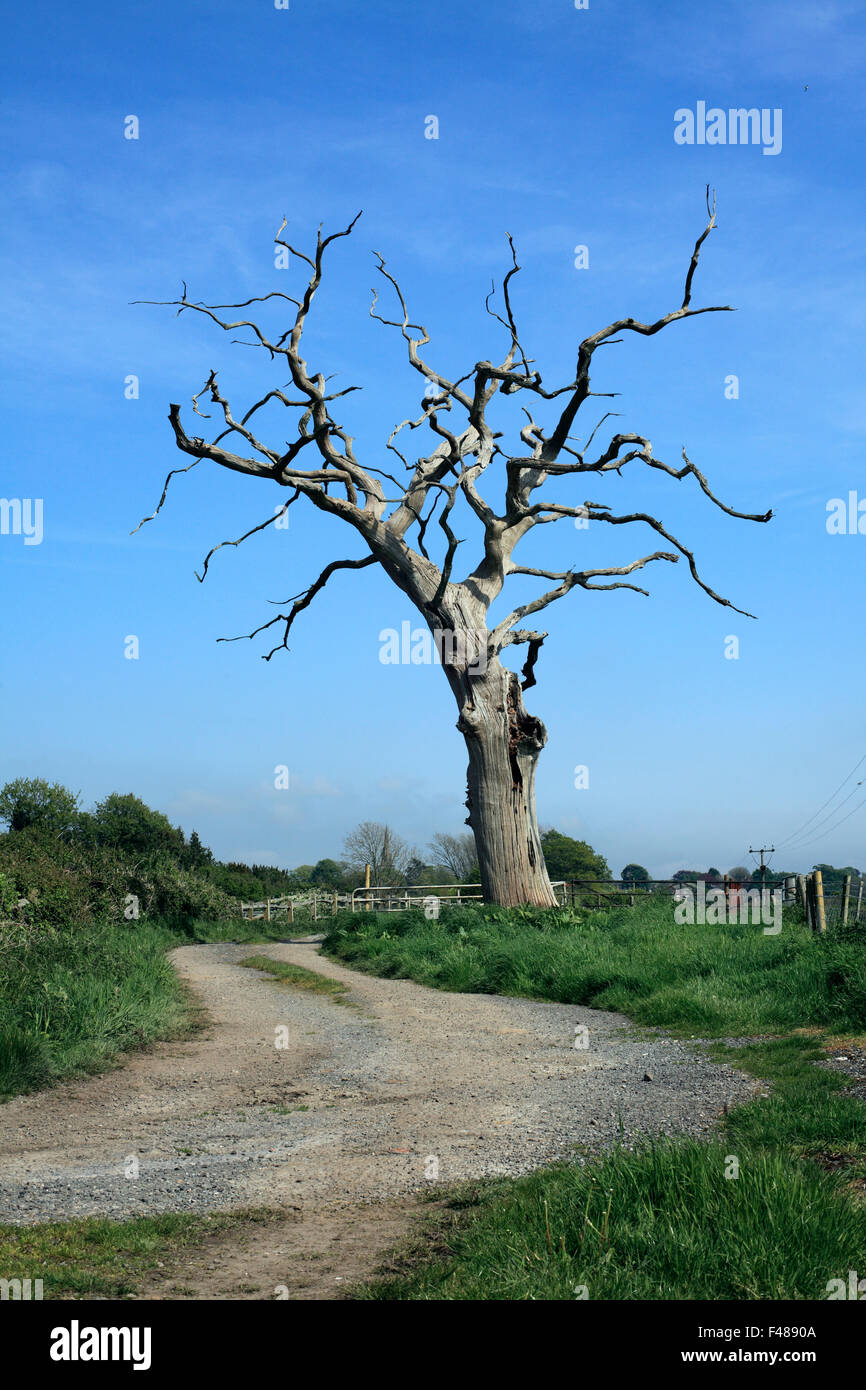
pixel 555 125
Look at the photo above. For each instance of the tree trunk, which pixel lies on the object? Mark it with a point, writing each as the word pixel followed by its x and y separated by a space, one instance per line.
pixel 504 743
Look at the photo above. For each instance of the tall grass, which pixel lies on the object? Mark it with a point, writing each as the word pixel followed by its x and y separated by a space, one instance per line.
pixel 664 1222
pixel 708 980
pixel 71 1001
pixel 73 998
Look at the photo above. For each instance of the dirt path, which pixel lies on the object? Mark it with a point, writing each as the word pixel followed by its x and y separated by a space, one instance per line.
pixel 337 1115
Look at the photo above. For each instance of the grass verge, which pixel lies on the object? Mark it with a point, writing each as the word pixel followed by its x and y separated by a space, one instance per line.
pixel 298 978
pixel 705 980
pixel 96 1258
pixel 73 1000
pixel 773 1208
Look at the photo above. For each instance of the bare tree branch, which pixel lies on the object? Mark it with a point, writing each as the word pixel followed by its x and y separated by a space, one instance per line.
pixel 569 580
pixel 460 454
pixel 302 601
pixel 269 521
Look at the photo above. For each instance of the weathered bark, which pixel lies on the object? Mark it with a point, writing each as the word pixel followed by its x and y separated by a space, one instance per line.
pixel 504 743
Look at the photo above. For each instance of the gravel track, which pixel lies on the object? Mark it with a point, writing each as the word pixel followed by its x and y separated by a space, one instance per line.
pixel 357 1106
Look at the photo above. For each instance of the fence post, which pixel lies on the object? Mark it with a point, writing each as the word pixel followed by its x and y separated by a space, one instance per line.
pixel 267 909
pixel 859 901
pixel 802 895
pixel 846 898
pixel 334 913
pixel 820 914
pixel 291 912
pixel 367 886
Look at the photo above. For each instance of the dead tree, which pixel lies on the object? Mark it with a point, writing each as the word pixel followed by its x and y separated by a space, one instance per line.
pixel 503 740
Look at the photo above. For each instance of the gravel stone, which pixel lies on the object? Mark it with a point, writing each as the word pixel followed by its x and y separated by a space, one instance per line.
pixel 405 1089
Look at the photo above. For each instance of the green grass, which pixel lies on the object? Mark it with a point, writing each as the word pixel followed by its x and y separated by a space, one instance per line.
pixel 241 930
pixel 660 1223
pixel 96 1258
pixel 72 1000
pixel 663 1222
pixel 708 981
pixel 299 978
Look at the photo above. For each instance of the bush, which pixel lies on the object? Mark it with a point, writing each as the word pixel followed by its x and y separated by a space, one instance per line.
pixel 70 884
pixel 33 802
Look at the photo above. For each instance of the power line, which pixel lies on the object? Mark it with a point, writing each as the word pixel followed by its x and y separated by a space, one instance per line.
pixel 802 827
pixel 835 811
pixel 766 849
pixel 824 833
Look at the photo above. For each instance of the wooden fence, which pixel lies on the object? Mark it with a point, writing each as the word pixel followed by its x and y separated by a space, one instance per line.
pixel 820 906
pixel 839 907
pixel 405 896
pixel 307 906
pixel 388 898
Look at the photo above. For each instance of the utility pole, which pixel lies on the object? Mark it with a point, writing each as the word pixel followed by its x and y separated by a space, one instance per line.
pixel 765 850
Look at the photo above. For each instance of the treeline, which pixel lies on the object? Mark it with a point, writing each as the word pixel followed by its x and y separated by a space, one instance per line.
pixel 120 860
pixel 832 877
pixel 447 859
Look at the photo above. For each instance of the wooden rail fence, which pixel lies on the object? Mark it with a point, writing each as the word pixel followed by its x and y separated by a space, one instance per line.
pixel 819 905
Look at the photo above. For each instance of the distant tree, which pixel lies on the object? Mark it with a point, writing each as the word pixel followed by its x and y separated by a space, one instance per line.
pixel 714 874
pixel 457 854
pixel 126 823
pixel 739 873
pixel 31 801
pixel 687 875
pixel 415 870
pixel 378 845
pixel 197 854
pixel 572 859
pixel 302 876
pixel 635 873
pixel 327 873
pixel 832 877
